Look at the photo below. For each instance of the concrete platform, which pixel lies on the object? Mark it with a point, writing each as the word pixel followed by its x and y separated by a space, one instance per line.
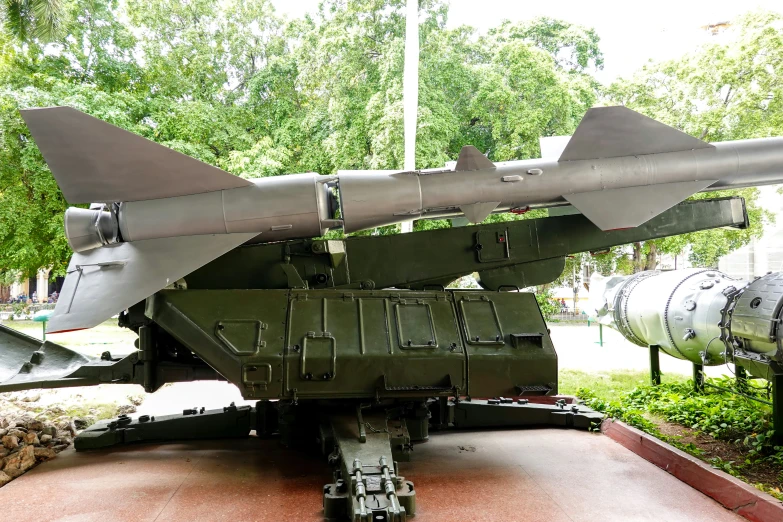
pixel 546 475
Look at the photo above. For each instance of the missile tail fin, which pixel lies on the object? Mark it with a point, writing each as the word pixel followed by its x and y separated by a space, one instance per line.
pixel 611 132
pixel 105 281
pixel 94 161
pixel 470 158
pixel 630 207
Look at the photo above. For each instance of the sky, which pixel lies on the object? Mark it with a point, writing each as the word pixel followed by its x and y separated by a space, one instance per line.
pixel 631 32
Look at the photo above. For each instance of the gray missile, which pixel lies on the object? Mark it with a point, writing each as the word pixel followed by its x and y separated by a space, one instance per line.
pixel 157 215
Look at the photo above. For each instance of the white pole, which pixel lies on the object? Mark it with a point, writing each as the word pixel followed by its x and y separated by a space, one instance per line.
pixel 410 90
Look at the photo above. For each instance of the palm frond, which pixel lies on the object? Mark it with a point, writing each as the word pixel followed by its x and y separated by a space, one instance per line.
pixel 48 16
pixel 15 20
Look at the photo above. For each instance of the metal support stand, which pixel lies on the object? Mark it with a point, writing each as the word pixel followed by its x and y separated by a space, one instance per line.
pixel 777 406
pixel 698 377
pixel 655 365
pixel 502 412
pixel 367 487
pixel 363 443
pixel 229 422
pixel 741 377
pixel 600 334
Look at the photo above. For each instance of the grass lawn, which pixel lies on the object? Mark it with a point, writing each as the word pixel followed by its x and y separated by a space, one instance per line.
pixel 730 432
pixel 610 386
pixel 107 336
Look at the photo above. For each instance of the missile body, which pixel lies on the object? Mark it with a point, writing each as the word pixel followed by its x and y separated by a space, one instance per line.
pixel 619 169
pixel 624 186
pixel 613 192
pixel 699 315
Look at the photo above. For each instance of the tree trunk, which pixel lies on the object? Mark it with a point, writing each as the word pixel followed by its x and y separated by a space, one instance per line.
pixel 652 258
pixel 637 257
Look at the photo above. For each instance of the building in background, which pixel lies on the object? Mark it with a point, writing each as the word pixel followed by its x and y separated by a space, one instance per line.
pixel 764 254
pixel 33 285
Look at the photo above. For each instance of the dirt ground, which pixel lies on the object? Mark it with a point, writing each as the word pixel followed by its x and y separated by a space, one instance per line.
pixel 765 473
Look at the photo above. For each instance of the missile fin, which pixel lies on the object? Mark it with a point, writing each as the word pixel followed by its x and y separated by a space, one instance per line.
pixel 611 132
pixel 632 206
pixel 105 281
pixel 470 158
pixel 94 161
pixel 478 212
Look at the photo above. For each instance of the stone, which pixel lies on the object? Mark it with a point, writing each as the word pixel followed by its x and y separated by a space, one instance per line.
pixel 44 453
pixel 82 423
pixel 32 397
pixel 31 438
pixel 46 439
pixel 62 440
pixel 10 441
pixel 35 425
pixel 3 452
pixel 59 447
pixel 125 409
pixel 3 432
pixel 18 433
pixel 4 478
pixel 136 400
pixel 67 426
pixel 13 472
pixel 27 458
pixel 49 429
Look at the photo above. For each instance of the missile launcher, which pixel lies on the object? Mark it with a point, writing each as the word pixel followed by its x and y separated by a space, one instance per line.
pixel 357 343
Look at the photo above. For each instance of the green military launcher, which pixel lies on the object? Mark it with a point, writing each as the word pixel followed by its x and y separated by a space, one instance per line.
pixel 357 344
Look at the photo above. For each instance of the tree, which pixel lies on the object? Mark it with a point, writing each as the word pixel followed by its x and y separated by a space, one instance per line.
pixel 33 19
pixel 728 90
pixel 233 84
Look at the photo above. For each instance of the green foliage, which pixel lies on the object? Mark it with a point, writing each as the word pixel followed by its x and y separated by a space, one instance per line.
pixel 609 386
pixel 720 414
pixel 728 90
pixel 547 303
pixel 33 19
pixel 235 85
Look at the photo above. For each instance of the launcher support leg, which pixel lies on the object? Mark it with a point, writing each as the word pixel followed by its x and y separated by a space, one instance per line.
pixel 655 365
pixel 698 377
pixel 777 406
pixel 367 487
pixel 502 412
pixel 196 423
pixel 741 377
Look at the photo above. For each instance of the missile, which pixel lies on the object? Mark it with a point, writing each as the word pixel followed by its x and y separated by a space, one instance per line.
pixel 699 314
pixel 156 215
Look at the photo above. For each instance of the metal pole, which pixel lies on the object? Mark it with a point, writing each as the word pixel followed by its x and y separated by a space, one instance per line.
pixel 410 90
pixel 655 365
pixel 600 334
pixel 742 378
pixel 777 406
pixel 698 377
pixel 44 331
